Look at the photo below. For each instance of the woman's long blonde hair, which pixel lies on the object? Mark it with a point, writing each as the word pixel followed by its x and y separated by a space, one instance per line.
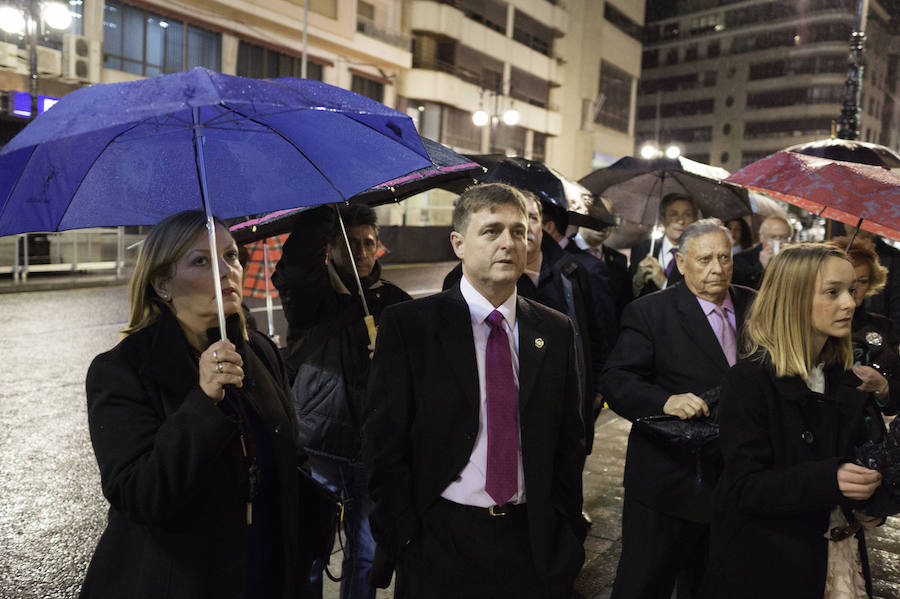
pixel 780 320
pixel 165 244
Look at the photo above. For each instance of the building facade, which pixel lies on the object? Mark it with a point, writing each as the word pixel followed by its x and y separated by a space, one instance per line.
pixel 567 71
pixel 730 82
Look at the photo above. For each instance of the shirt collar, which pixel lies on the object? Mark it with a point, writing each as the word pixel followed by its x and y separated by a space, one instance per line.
pixel 708 306
pixel 480 307
pixel 666 247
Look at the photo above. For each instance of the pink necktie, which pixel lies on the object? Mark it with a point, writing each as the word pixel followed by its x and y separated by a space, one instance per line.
pixel 726 335
pixel 502 432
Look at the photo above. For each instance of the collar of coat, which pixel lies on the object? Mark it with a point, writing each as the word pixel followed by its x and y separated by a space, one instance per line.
pixel 839 384
pixel 372 281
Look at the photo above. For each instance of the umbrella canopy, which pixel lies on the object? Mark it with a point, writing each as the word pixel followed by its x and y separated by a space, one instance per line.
pixel 847 150
pixel 636 186
pixel 843 191
pixel 549 185
pixel 447 169
pixel 132 153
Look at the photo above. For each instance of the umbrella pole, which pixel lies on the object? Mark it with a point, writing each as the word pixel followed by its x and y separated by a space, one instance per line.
pixel 199 140
pixel 368 318
pixel 656 223
pixel 268 289
pixel 852 237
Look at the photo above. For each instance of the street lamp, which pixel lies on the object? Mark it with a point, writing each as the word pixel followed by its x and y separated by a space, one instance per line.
pixel 481 117
pixel 29 20
pixel 650 151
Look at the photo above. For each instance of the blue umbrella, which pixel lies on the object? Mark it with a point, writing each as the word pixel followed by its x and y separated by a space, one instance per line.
pixel 133 153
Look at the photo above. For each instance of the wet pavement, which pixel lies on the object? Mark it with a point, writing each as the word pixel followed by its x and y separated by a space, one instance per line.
pixel 51 507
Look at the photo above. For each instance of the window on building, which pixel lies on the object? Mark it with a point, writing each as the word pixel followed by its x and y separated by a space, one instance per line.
pixel 147 44
pixel 690 53
pixel 508 140
pixel 710 78
pixel 459 131
pixel 621 21
pixel 259 62
pixel 670 31
pixel 529 88
pixel 687 108
pixel 704 24
pixel 824 94
pixel 672 56
pixel 539 146
pixel 649 59
pixel 808 126
pixel 365 16
pixel 615 86
pixel 533 33
pixel 669 84
pixel 713 49
pixel 490 13
pixel 367 87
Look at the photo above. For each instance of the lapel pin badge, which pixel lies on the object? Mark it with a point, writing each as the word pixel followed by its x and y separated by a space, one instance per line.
pixel 539 343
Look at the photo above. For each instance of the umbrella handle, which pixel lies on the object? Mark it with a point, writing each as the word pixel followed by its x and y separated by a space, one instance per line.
pixel 370 327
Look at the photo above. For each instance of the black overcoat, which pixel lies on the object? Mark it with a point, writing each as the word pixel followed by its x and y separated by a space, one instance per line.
pixel 782 445
pixel 173 471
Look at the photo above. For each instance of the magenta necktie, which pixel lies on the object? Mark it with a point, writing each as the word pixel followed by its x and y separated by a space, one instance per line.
pixel 726 335
pixel 671 265
pixel 502 433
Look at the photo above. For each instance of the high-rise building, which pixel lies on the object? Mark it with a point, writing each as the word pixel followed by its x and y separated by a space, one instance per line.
pixel 730 82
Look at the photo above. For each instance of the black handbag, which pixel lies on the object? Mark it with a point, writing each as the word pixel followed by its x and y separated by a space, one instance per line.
pixel 692 433
pixel 321 515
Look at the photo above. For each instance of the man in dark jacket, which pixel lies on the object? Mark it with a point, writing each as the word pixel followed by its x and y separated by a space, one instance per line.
pixel 328 351
pixel 673 347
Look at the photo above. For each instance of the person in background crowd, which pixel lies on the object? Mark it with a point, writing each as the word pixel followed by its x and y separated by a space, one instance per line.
pixel 592 242
pixel 750 265
pixel 887 301
pixel 194 436
pixel 741 234
pixel 652 273
pixel 673 347
pixel 790 497
pixel 328 347
pixel 875 358
pixel 472 432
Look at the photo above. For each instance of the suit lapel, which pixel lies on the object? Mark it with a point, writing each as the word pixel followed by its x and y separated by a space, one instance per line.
pixel 531 350
pixel 457 342
pixel 696 326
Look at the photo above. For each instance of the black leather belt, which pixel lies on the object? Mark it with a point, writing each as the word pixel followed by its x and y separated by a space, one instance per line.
pixel 494 511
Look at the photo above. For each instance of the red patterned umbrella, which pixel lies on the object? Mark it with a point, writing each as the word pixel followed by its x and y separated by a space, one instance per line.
pixel 261 260
pixel 855 194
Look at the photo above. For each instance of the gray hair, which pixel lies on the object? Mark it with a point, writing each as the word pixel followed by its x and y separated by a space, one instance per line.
pixel 703 226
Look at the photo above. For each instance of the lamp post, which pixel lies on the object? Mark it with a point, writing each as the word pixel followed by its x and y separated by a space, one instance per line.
pixel 28 21
pixel 481 118
pixel 848 124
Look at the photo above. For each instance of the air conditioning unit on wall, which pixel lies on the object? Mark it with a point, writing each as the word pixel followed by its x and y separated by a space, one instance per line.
pixel 80 59
pixel 11 59
pixel 49 61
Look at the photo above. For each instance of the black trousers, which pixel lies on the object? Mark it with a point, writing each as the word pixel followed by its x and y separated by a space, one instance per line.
pixel 658 550
pixel 462 553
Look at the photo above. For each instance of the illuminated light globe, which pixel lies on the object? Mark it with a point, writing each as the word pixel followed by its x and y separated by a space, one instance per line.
pixel 480 118
pixel 673 152
pixel 11 20
pixel 657 232
pixel 57 15
pixel 648 152
pixel 511 117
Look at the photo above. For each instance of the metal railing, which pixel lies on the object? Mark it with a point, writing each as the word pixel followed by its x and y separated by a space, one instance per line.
pixel 69 252
pixel 394 38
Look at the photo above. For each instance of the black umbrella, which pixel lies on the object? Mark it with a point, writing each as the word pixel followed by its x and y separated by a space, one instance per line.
pixel 549 185
pixel 849 150
pixel 636 186
pixel 449 169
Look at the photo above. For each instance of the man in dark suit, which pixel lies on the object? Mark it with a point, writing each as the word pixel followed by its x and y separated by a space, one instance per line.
pixel 591 242
pixel 474 451
pixel 652 273
pixel 750 265
pixel 673 346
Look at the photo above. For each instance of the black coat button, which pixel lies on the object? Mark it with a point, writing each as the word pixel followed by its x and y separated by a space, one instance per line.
pixel 807 437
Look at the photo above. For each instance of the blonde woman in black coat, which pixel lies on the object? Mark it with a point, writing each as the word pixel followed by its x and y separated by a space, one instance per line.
pixel 194 437
pixel 790 500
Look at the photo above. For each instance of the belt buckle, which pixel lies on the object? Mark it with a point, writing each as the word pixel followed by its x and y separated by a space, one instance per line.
pixel 498 510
